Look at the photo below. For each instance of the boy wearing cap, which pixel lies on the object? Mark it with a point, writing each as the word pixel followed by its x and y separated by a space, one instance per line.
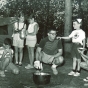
pixel 78 39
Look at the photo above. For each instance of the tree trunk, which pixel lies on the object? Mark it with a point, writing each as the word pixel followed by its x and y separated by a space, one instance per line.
pixel 68 24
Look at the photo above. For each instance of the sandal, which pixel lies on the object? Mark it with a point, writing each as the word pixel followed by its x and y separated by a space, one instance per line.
pixel 85 79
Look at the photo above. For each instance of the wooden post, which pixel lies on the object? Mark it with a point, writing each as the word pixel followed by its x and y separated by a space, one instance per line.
pixel 68 24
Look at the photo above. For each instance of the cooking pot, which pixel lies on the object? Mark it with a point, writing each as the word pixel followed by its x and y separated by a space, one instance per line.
pixel 41 78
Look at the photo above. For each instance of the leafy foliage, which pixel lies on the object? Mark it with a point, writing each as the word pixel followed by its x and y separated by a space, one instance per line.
pixel 47 12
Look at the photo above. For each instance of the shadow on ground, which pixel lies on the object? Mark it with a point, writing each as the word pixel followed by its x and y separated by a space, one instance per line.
pixel 62 80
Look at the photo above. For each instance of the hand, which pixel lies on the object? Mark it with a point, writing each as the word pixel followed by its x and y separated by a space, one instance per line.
pixel 58 37
pixel 37 64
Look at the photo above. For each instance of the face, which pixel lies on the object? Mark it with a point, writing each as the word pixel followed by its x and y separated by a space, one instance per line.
pixel 31 20
pixel 76 25
pixel 21 19
pixel 6 46
pixel 52 35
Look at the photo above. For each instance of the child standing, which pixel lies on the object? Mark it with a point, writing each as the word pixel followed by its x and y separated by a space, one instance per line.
pixel 6 54
pixel 78 39
pixel 18 43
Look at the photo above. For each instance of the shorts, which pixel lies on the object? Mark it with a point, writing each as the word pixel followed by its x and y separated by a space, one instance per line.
pixel 49 59
pixel 46 58
pixel 18 43
pixel 31 43
pixel 75 52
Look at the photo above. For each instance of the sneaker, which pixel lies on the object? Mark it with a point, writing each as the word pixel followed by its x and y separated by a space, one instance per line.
pixel 29 66
pixel 2 74
pixel 55 72
pixel 77 74
pixel 71 73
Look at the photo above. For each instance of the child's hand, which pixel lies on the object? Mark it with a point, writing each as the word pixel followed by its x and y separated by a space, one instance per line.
pixel 58 37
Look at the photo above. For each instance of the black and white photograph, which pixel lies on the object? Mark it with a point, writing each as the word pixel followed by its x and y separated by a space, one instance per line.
pixel 43 43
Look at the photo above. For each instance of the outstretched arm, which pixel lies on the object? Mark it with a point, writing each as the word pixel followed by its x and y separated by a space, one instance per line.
pixel 63 37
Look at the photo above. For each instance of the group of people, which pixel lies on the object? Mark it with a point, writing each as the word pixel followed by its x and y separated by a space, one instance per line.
pixel 49 50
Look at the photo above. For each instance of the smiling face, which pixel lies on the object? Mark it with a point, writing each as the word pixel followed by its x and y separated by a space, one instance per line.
pixel 52 35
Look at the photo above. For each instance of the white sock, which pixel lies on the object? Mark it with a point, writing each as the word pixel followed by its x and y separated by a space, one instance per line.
pixel 54 66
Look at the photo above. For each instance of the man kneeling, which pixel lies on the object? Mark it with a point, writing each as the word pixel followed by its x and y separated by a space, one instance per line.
pixel 49 51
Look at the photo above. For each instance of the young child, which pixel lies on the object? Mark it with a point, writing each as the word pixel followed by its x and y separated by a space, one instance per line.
pixel 78 39
pixel 6 55
pixel 18 42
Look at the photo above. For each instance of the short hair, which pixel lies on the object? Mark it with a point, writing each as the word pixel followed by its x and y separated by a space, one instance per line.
pixel 51 29
pixel 31 16
pixel 8 41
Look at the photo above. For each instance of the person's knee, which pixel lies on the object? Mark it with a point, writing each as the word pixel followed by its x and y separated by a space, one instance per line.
pixel 16 71
pixel 82 64
pixel 7 60
pixel 59 60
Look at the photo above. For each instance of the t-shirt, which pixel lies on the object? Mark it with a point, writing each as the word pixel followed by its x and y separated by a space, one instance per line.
pixel 77 36
pixel 50 47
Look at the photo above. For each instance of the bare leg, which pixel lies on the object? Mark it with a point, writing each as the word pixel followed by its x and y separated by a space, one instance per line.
pixel 31 55
pixel 16 55
pixel 74 63
pixel 20 55
pixel 78 66
pixel 5 63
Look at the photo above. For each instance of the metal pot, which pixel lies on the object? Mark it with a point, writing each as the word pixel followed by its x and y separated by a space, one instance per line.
pixel 41 78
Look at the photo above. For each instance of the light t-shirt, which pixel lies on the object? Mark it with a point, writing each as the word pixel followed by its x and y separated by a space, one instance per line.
pixel 77 36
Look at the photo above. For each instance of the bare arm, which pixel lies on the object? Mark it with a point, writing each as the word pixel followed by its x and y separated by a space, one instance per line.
pixel 38 53
pixel 59 53
pixel 64 37
pixel 84 43
pixel 85 57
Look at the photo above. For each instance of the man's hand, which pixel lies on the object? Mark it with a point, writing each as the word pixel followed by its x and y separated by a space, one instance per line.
pixel 37 65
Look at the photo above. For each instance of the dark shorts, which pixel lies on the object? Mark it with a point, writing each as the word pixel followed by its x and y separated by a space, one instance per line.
pixel 74 51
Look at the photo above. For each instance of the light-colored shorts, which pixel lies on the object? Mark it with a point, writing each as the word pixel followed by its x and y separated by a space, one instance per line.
pixel 18 43
pixel 49 59
pixel 31 43
pixel 46 58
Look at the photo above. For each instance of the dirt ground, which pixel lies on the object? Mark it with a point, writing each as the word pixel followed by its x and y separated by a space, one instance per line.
pixel 25 78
